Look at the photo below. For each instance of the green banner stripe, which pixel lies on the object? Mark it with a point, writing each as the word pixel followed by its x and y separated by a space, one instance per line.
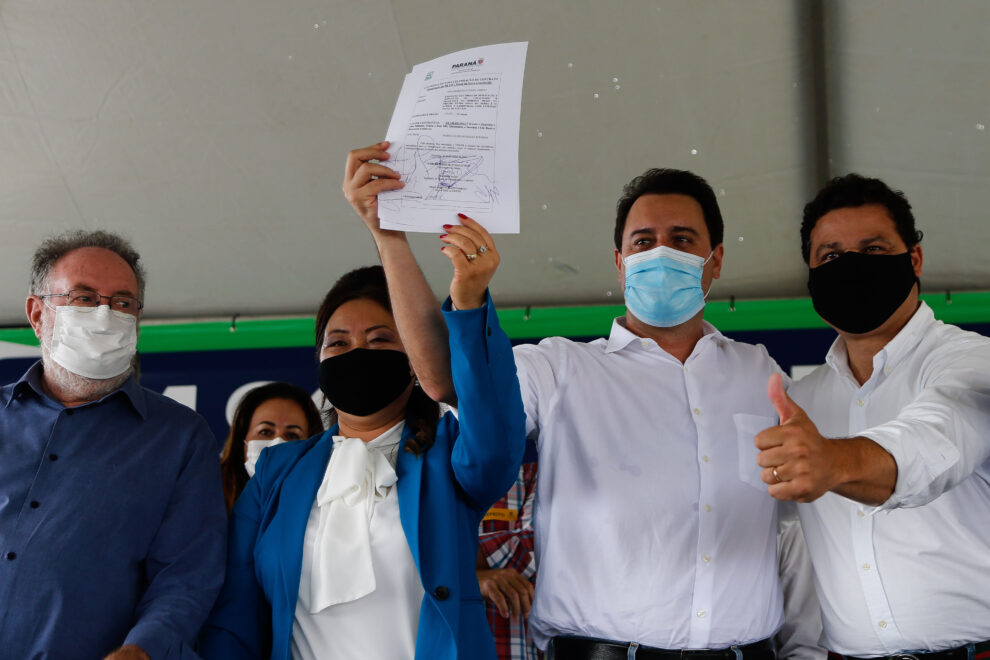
pixel 588 321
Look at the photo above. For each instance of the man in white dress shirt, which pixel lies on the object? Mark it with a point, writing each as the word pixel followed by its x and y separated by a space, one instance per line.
pixel 650 528
pixel 654 533
pixel 889 442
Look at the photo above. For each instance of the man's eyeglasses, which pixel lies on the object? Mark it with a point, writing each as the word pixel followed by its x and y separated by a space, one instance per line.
pixel 86 298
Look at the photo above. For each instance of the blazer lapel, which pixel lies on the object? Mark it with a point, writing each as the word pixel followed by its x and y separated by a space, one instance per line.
pixel 299 491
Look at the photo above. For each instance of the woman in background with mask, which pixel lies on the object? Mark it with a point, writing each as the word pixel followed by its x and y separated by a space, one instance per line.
pixel 267 415
pixel 361 542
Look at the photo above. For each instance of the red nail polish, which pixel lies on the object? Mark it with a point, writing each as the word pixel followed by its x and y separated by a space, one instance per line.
pixel 443 235
pixel 461 216
pixel 447 226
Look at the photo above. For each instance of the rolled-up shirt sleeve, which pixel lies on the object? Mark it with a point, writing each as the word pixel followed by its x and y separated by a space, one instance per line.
pixel 941 437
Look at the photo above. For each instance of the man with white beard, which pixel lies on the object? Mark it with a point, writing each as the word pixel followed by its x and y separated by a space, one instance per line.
pixel 112 524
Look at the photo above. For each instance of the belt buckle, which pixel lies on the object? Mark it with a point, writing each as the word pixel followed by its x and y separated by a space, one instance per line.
pixel 903 656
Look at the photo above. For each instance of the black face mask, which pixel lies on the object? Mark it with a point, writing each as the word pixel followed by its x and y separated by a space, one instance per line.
pixel 857 293
pixel 363 380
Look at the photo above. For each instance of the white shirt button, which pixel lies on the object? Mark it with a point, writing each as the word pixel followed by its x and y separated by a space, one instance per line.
pixel 866 567
pixel 704 459
pixel 859 402
pixel 644 342
pixel 702 614
pixel 882 624
pixel 860 513
pixel 697 412
pixel 706 558
pixel 708 508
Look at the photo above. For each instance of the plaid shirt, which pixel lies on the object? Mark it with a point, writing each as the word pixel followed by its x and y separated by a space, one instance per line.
pixel 506 541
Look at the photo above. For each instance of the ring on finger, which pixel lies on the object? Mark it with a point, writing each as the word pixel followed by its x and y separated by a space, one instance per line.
pixel 776 476
pixel 482 249
pixel 471 257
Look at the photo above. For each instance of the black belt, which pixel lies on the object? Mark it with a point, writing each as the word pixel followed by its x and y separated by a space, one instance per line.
pixel 981 651
pixel 585 648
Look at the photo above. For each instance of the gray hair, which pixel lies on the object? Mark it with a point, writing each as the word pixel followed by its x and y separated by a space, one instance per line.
pixel 54 248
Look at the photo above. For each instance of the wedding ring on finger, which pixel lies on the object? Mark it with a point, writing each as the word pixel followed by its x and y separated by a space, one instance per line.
pixel 776 476
pixel 482 249
pixel 471 257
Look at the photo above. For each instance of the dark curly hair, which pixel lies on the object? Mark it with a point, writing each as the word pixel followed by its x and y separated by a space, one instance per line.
pixel 368 283
pixel 854 190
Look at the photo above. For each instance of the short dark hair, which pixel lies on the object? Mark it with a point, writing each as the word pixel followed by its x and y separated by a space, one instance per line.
pixel 854 190
pixel 369 283
pixel 232 471
pixel 659 181
pixel 54 248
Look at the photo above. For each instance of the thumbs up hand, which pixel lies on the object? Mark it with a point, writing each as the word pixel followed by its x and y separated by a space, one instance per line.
pixel 783 404
pixel 798 463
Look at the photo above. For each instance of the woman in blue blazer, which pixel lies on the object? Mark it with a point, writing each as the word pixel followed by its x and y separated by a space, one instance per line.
pixel 447 471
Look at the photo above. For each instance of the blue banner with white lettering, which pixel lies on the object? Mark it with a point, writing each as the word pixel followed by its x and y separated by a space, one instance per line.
pixel 212 382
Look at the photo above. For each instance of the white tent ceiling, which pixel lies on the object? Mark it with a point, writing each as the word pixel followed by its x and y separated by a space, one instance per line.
pixel 213 134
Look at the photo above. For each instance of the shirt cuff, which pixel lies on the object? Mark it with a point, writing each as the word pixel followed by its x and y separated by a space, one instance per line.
pixel 919 464
pixel 150 639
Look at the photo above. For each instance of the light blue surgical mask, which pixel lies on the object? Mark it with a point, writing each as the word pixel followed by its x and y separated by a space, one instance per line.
pixel 663 286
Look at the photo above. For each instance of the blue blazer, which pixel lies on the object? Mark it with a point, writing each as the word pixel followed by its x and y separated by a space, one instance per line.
pixel 443 495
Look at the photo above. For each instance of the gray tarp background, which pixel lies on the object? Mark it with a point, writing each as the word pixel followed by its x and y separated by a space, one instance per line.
pixel 214 133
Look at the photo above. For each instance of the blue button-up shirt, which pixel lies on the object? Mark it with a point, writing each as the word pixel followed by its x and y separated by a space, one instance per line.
pixel 112 525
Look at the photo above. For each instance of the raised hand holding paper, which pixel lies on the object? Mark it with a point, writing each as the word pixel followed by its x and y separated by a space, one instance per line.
pixel 454 140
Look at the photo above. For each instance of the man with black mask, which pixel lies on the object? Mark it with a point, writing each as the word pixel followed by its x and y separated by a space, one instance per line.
pixel 887 443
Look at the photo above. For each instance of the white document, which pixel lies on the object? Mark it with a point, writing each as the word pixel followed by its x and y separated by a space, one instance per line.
pixel 455 142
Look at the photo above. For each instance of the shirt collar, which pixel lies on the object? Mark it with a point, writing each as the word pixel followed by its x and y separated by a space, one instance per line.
pixel 31 380
pixel 904 343
pixel 620 336
pixel 894 352
pixel 135 394
pixel 387 443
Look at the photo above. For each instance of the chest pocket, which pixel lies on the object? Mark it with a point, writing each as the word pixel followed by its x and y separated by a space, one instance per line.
pixel 747 426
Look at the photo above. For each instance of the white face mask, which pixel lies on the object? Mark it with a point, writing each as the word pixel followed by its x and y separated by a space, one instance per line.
pixel 93 342
pixel 253 451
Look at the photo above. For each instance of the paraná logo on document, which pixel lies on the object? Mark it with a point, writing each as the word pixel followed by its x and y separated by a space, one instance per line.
pixel 461 65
